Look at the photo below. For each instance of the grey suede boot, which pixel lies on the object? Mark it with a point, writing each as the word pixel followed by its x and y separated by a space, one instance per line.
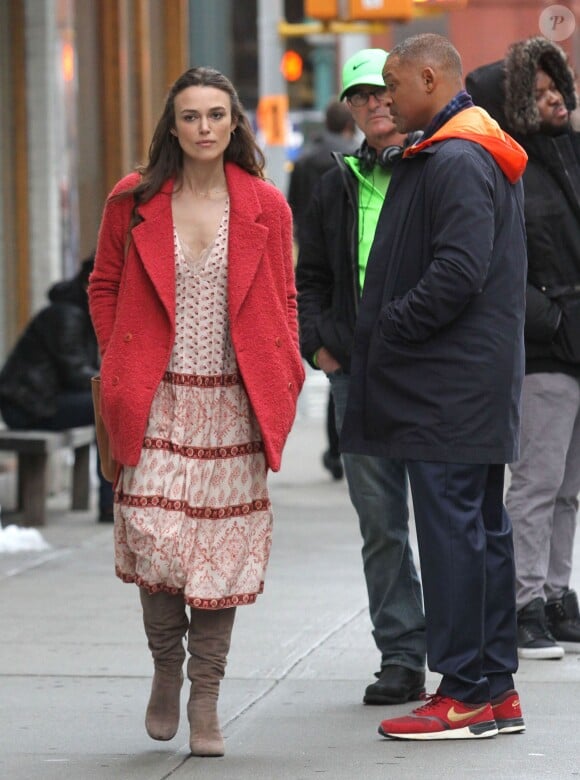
pixel 165 621
pixel 208 644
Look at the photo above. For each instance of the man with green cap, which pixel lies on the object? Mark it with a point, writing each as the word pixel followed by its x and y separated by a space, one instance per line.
pixel 336 236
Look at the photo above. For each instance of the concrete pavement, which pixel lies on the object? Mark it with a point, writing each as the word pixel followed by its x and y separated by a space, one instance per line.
pixel 75 670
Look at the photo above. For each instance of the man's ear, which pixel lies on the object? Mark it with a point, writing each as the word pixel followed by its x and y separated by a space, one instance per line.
pixel 428 77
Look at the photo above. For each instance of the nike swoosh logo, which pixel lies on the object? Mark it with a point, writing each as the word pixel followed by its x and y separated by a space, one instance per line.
pixel 457 717
pixel 354 67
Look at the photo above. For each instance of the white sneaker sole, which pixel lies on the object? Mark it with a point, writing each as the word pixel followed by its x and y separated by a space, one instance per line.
pixel 481 731
pixel 541 653
pixel 511 729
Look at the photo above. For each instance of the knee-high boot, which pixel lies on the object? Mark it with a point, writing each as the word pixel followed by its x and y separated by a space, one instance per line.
pixel 208 644
pixel 165 621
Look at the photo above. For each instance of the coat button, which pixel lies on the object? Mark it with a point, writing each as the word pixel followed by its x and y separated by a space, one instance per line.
pixel 115 381
pixel 290 385
pixel 278 342
pixel 128 337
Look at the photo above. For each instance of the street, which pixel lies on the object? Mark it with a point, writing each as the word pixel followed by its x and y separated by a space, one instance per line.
pixel 75 668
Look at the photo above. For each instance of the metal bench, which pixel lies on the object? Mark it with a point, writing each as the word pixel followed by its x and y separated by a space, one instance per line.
pixel 33 449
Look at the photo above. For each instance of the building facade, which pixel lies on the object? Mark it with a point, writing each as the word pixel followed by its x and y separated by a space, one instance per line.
pixel 82 83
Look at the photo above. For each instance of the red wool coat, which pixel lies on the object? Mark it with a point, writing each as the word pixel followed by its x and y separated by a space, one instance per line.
pixel 132 304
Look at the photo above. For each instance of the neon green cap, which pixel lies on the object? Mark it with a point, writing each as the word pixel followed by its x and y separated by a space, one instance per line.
pixel 364 67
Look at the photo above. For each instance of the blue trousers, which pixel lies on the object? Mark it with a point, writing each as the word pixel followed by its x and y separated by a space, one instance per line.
pixel 74 409
pixel 378 491
pixel 468 574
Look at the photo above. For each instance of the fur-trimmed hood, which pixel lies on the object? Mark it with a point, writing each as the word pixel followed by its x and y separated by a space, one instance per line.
pixel 520 65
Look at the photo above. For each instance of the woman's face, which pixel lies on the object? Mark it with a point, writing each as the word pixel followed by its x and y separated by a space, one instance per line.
pixel 203 122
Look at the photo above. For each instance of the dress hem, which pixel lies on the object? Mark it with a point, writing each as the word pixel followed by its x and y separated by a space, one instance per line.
pixel 236 600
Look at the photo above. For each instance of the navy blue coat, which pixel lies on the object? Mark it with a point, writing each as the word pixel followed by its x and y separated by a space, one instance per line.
pixel 438 357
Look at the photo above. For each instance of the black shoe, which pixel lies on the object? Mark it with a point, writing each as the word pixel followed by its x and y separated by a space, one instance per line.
pixel 563 619
pixel 396 685
pixel 333 464
pixel 535 641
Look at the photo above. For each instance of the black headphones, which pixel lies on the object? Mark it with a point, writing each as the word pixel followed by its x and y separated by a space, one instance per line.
pixel 387 157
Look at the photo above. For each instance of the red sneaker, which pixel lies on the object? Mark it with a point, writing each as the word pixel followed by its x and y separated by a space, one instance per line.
pixel 508 713
pixel 443 718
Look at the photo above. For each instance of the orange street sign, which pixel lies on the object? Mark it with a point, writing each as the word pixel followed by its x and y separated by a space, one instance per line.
pixel 272 118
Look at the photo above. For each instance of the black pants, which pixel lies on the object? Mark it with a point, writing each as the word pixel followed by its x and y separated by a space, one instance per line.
pixel 74 409
pixel 467 568
pixel 331 432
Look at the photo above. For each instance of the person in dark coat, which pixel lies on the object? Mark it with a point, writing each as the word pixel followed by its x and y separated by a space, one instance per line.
pixel 338 135
pixel 532 93
pixel 436 377
pixel 315 159
pixel 45 382
pixel 338 231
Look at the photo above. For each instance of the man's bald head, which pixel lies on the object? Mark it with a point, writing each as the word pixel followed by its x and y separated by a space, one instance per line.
pixel 422 74
pixel 431 50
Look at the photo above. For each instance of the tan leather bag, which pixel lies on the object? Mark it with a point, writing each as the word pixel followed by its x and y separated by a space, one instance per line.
pixel 108 463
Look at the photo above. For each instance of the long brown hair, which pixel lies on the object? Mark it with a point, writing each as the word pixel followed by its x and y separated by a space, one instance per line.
pixel 165 153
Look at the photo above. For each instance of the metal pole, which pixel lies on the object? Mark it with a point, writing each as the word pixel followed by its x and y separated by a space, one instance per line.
pixel 270 80
pixel 209 38
pixel 324 60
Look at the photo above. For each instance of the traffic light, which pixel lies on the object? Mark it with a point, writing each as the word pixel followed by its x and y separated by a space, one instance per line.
pixel 359 10
pixel 291 65
pixel 439 6
pixel 376 10
pixel 366 10
pixel 321 9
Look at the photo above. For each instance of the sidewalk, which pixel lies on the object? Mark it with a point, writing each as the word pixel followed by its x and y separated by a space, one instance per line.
pixel 75 670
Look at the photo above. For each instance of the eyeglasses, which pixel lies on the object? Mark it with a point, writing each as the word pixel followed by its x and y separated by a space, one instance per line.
pixel 358 99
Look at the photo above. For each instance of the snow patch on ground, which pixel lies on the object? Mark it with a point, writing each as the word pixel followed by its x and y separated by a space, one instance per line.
pixel 14 539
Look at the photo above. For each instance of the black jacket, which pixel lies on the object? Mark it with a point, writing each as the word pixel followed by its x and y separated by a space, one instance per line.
pixel 438 357
pixel 551 189
pixel 327 270
pixel 552 209
pixel 57 352
pixel 314 161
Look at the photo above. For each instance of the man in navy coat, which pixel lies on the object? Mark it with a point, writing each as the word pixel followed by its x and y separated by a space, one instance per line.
pixel 437 370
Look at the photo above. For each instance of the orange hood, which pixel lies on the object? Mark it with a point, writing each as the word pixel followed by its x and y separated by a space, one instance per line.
pixel 475 124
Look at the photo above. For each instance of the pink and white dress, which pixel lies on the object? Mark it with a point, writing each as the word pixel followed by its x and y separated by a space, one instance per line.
pixel 194 515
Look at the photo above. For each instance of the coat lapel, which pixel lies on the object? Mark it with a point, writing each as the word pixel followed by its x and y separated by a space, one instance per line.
pixel 247 238
pixel 153 239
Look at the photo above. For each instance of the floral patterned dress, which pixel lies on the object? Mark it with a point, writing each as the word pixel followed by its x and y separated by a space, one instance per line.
pixel 194 515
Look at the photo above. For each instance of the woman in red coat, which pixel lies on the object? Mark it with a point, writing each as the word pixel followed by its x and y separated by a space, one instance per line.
pixel 193 302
